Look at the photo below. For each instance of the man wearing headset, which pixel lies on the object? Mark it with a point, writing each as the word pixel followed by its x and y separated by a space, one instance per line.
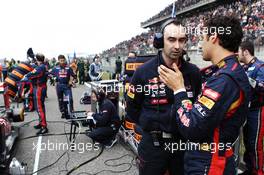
pixel 149 102
pixel 105 123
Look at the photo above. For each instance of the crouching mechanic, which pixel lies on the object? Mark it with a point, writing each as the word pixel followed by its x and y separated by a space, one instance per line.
pixel 105 123
pixel 63 75
pixel 39 77
pixel 212 123
pixel 254 128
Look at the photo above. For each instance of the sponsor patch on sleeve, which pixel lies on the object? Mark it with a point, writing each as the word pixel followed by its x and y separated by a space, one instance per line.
pixel 180 111
pixel 211 94
pixel 185 121
pixel 206 102
pixel 190 94
pixel 187 104
pixel 131 92
pixel 200 109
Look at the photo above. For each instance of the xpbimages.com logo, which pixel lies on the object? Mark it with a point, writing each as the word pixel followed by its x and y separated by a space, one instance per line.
pixel 147 89
pixel 58 146
pixel 207 30
pixel 191 146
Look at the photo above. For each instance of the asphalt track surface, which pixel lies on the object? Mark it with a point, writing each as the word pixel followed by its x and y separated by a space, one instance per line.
pixel 40 152
pixel 53 146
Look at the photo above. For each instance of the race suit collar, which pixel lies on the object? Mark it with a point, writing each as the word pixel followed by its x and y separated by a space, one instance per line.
pixel 253 60
pixel 222 63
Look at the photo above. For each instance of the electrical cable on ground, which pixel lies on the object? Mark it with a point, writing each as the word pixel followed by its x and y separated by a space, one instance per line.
pixel 50 165
pixel 88 161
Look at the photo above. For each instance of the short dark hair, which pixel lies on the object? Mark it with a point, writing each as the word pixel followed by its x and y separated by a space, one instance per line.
pixel 248 45
pixel 96 57
pixel 176 22
pixel 229 40
pixel 100 94
pixel 61 57
pixel 40 57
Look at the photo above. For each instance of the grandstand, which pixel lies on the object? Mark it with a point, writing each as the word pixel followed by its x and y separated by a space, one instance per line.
pixel 181 8
pixel 193 13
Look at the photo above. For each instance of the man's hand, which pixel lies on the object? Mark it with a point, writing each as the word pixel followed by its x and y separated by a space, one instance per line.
pixel 90 115
pixel 173 79
pixel 90 118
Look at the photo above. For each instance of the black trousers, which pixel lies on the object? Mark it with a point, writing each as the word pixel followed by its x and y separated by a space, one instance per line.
pixel 102 135
pixel 157 160
pixel 81 77
pixel 64 90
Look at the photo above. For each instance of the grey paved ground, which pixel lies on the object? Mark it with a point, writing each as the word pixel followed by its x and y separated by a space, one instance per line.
pixel 84 151
pixel 26 152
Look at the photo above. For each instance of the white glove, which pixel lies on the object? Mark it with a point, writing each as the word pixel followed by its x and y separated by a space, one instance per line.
pixel 90 117
pixel 252 82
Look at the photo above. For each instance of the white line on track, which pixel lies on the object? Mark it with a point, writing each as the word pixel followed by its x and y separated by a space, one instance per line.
pixel 37 156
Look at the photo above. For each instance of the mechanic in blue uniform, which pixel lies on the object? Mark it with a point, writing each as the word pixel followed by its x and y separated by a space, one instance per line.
pixel 149 102
pixel 105 123
pixel 212 123
pixel 95 69
pixel 63 74
pixel 254 128
pixel 39 77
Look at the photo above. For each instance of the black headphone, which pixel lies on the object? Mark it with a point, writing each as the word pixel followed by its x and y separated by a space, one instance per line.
pixel 158 42
pixel 100 95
